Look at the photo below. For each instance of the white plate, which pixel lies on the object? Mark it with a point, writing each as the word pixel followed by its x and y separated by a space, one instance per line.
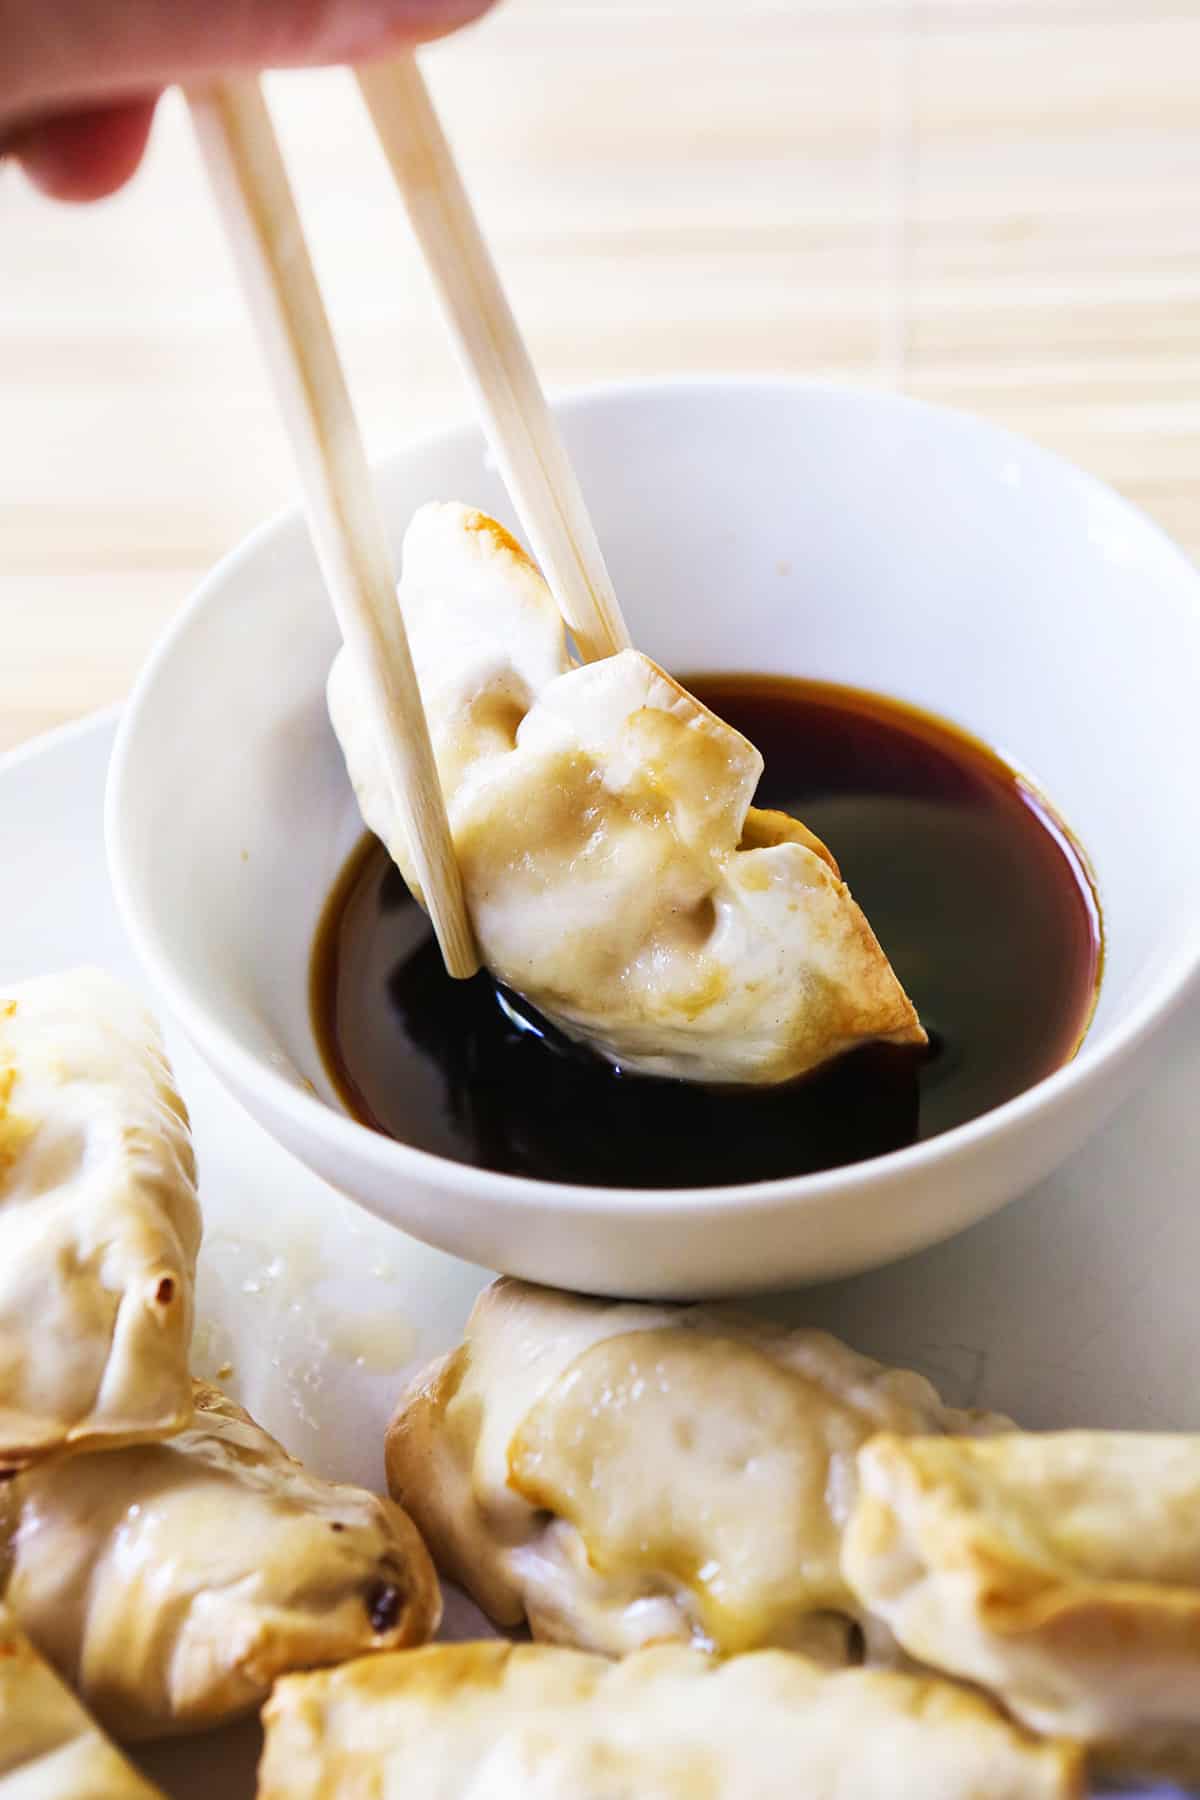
pixel 1075 1305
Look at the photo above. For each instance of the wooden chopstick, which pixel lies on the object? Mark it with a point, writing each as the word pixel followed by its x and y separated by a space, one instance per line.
pixel 259 211
pixel 524 437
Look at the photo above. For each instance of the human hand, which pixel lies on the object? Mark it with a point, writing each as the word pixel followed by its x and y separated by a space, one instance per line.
pixel 79 79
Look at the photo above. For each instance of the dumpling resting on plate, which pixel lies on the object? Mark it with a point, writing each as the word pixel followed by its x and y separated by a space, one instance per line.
pixel 1059 1570
pixel 497 1721
pixel 49 1748
pixel 99 1225
pixel 171 1583
pixel 622 1474
pixel 616 873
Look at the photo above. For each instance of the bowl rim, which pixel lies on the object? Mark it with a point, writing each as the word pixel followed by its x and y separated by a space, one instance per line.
pixel 313 1118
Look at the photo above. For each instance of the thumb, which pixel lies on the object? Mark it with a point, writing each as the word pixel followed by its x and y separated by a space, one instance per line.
pixel 79 78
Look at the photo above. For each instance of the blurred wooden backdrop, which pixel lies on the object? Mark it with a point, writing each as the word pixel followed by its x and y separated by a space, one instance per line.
pixel 986 202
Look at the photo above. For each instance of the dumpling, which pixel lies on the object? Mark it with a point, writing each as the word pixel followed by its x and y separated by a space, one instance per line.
pixel 616 873
pixel 1061 1571
pixel 623 1474
pixel 496 1721
pixel 171 1583
pixel 49 1748
pixel 99 1224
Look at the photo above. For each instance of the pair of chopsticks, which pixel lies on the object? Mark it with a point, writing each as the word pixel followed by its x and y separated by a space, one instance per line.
pixel 255 200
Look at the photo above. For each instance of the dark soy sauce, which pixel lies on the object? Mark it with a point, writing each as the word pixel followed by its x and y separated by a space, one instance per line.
pixel 974 888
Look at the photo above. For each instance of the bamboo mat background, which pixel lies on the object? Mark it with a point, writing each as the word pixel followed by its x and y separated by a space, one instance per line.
pixel 990 203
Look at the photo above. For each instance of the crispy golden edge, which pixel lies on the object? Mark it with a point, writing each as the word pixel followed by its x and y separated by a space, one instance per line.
pixel 765 827
pixel 442 1674
pixel 1016 1596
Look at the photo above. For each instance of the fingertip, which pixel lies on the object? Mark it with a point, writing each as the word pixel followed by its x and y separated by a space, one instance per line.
pixel 91 152
pixel 383 27
pixel 84 156
pixel 443 17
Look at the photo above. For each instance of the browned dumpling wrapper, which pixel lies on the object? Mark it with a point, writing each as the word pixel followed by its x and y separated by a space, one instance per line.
pixel 1059 1570
pixel 99 1223
pixel 622 1474
pixel 49 1748
pixel 616 873
pixel 496 1721
pixel 171 1583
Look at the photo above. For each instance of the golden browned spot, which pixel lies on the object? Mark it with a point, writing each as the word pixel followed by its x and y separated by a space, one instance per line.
pixel 437 1671
pixel 503 539
pixel 164 1293
pixel 15 1132
pixel 881 1007
pixel 702 994
pixel 8 1009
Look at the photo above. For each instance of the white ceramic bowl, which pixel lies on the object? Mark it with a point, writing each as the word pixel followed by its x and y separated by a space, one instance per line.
pixel 846 535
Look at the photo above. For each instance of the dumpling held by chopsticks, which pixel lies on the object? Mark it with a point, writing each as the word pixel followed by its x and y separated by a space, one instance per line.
pixel 616 873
